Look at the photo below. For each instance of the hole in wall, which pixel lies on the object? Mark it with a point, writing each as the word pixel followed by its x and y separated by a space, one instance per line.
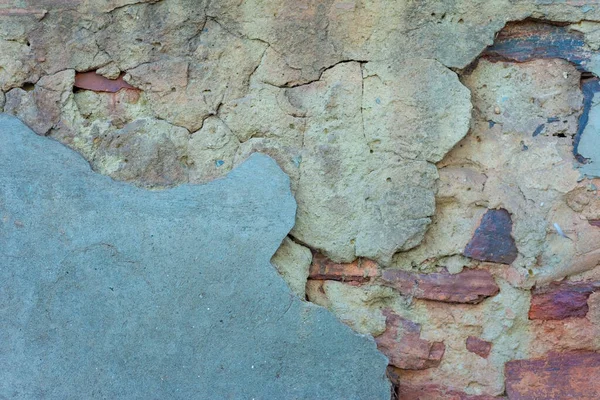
pixel 533 39
pixel 28 86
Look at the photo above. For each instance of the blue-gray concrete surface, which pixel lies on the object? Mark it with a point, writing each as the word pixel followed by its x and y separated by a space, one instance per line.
pixel 109 291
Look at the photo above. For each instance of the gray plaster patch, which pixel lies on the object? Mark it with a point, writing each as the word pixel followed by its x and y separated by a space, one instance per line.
pixel 115 292
pixel 589 145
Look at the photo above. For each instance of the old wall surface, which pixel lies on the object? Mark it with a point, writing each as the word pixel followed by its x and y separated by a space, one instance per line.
pixel 106 296
pixel 443 156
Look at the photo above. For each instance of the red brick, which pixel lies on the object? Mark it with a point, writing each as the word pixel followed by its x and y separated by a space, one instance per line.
pixel 573 375
pixel 361 270
pixel 468 286
pixel 402 344
pixel 478 346
pixel 98 83
pixel 594 222
pixel 492 240
pixel 561 300
pixel 436 392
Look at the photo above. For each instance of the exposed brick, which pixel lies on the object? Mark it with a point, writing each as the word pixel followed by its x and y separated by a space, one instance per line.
pixel 478 346
pixel 594 222
pixel 98 83
pixel 531 40
pixel 561 300
pixel 468 286
pixel 492 240
pixel 436 392
pixel 573 375
pixel 402 344
pixel 360 270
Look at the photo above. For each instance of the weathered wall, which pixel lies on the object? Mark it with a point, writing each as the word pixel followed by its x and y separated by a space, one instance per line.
pixel 443 156
pixel 105 294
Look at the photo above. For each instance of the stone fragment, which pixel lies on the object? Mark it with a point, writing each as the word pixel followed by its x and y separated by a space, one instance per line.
pixel 22 104
pixel 569 375
pixel 469 286
pixel 478 346
pixel 561 300
pixel 93 81
pixel 492 240
pixel 360 270
pixel 114 291
pixel 402 344
pixel 365 178
pixel 292 261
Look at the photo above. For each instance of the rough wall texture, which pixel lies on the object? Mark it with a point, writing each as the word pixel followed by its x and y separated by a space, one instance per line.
pixel 109 297
pixel 453 141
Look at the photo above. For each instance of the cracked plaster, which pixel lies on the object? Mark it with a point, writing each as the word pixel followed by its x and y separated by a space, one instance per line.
pixel 365 105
